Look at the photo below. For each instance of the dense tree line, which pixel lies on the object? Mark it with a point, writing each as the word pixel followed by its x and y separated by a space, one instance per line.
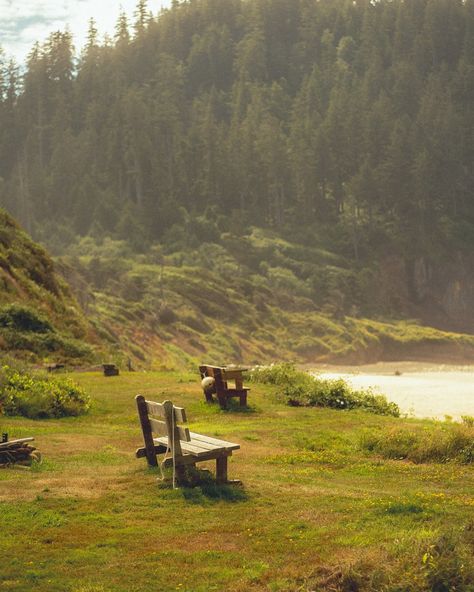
pixel 348 118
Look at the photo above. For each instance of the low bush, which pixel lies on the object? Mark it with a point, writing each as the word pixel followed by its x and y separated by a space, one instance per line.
pixel 43 344
pixel 23 318
pixel 40 397
pixel 302 389
pixel 444 443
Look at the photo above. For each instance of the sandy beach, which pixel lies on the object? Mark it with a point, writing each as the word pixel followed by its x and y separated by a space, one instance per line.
pixel 420 389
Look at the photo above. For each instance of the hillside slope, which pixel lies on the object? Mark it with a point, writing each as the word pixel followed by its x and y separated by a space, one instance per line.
pixel 252 299
pixel 39 317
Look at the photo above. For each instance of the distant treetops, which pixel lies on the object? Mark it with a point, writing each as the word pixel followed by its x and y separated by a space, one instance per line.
pixel 355 116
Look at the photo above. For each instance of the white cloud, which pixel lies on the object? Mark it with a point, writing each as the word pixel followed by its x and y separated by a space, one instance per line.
pixel 23 22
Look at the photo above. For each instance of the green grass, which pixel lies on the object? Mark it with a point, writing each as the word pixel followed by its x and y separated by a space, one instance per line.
pixel 314 507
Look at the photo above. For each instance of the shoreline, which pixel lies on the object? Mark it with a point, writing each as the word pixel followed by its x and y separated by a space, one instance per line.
pixel 389 368
pixel 425 390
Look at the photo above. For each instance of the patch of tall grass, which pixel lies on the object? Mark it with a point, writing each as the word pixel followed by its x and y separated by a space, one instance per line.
pixel 302 389
pixel 442 564
pixel 440 444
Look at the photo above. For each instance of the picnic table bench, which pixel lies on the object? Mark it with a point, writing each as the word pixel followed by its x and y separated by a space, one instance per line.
pixel 186 448
pixel 221 375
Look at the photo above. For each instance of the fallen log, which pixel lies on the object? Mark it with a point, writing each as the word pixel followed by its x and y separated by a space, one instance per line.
pixel 12 443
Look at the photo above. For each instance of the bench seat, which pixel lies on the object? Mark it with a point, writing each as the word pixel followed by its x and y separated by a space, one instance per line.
pixel 200 445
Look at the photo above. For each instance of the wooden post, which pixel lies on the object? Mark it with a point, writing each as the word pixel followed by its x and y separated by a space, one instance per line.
pixel 147 433
pixel 221 469
pixel 221 386
pixel 239 381
pixel 174 442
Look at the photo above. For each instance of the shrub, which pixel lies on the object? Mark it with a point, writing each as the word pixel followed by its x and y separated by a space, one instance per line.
pixel 23 328
pixel 23 318
pixel 167 315
pixel 303 389
pixel 468 420
pixel 40 397
pixel 43 344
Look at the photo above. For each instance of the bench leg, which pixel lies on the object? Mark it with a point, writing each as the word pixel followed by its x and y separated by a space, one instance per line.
pixel 243 399
pixel 222 400
pixel 181 476
pixel 208 392
pixel 221 469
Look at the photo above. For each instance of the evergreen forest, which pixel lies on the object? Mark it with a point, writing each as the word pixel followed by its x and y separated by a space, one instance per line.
pixel 323 146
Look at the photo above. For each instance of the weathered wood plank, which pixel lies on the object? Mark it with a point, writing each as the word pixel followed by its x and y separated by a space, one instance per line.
pixel 161 428
pixel 146 430
pixel 232 374
pixel 141 452
pixel 215 441
pixel 190 459
pixel 158 409
pixel 13 443
pixel 196 448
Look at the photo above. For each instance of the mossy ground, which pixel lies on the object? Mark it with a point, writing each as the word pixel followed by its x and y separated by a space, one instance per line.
pixel 314 504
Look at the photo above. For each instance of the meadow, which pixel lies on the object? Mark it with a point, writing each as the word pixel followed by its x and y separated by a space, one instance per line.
pixel 321 507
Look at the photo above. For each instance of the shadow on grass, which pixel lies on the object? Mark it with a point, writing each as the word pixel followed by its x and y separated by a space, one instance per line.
pixel 235 407
pixel 213 408
pixel 203 489
pixel 209 491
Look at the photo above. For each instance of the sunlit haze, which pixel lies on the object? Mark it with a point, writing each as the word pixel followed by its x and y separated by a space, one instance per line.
pixel 23 22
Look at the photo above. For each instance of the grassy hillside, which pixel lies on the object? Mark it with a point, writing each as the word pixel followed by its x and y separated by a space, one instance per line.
pixel 321 508
pixel 252 298
pixel 39 317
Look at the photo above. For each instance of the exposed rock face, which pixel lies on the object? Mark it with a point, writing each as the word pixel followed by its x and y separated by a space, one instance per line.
pixel 443 293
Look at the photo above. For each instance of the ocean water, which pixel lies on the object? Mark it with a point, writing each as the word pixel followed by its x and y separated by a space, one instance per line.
pixel 433 393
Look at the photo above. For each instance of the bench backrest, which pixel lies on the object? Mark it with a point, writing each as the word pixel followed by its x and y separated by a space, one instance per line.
pixel 162 419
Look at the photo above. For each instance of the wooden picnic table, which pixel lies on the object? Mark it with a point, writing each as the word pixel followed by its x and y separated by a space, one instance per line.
pixel 219 386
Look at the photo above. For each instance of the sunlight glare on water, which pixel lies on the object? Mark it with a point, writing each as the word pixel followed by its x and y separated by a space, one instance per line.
pixel 420 394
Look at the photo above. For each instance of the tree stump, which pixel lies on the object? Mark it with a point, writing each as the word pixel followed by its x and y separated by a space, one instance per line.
pixel 110 370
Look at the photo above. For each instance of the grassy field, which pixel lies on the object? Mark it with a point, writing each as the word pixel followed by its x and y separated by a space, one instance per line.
pixel 316 510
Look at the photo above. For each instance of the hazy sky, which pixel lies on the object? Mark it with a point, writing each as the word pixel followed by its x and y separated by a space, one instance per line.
pixel 22 22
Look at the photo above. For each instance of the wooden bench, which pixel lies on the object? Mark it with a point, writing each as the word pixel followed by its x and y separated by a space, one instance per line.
pixel 187 448
pixel 220 388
